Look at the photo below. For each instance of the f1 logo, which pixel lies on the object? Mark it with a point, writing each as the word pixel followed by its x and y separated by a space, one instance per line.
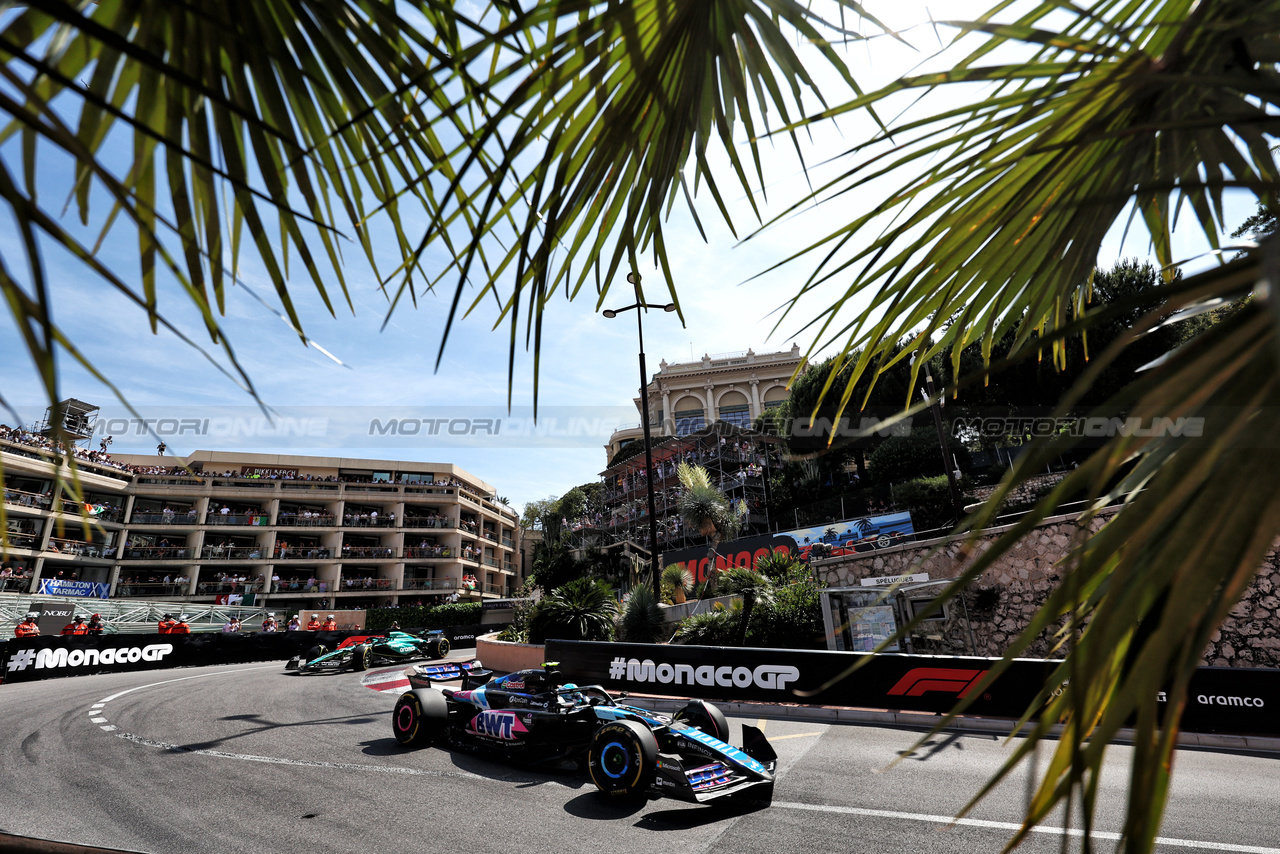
pixel 920 680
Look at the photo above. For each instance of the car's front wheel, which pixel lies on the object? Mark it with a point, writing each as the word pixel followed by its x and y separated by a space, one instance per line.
pixel 623 759
pixel 420 717
pixel 438 648
pixel 361 657
pixel 700 714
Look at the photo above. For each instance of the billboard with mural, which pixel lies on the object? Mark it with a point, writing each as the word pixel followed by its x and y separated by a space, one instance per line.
pixel 831 539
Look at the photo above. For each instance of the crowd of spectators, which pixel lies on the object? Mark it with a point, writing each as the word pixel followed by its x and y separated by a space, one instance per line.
pixel 18 436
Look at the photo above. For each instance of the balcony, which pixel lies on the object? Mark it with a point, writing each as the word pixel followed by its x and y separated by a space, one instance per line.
pixel 428 522
pixel 159 552
pixel 185 518
pixel 350 585
pixel 27 499
pixel 230 552
pixel 299 520
pixel 236 518
pixel 307 552
pixel 368 552
pixel 428 584
pixel 419 552
pixel 365 520
pixel 77 548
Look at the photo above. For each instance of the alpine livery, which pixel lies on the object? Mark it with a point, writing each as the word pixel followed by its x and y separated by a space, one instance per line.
pixel 532 716
pixel 360 652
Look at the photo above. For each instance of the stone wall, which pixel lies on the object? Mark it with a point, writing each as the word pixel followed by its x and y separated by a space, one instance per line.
pixel 1000 603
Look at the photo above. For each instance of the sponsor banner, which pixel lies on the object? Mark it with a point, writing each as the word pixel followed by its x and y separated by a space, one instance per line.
pixel 52 657
pixel 83 589
pixel 851 536
pixel 1221 700
pixel 464 637
pixel 744 552
pixel 54 616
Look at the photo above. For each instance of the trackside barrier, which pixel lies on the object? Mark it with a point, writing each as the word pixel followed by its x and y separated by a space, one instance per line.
pixel 52 657
pixel 1220 700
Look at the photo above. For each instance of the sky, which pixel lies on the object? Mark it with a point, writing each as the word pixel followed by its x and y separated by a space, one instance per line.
pixel 588 373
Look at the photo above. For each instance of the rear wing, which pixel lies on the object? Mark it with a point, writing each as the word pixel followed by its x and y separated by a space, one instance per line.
pixel 472 674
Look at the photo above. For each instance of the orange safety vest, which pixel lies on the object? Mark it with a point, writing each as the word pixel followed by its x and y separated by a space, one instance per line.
pixel 166 626
pixel 330 625
pixel 180 629
pixel 75 629
pixel 313 626
pixel 26 630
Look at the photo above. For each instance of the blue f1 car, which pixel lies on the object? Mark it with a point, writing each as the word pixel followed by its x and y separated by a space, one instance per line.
pixel 534 717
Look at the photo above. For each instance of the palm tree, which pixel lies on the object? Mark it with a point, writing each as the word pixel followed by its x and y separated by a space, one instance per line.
pixel 564 158
pixel 707 510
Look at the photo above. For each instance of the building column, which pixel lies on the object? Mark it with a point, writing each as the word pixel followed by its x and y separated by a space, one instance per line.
pixel 667 426
pixel 755 398
pixel 709 393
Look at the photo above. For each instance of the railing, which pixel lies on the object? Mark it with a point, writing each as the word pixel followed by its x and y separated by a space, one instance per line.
pixel 184 518
pixel 507 541
pixel 367 584
pixel 428 584
pixel 473 556
pixel 367 551
pixel 246 483
pixel 468 527
pixel 494 588
pixel 319 486
pixel 364 520
pixel 304 552
pixel 237 518
pixel 78 548
pixel 214 588
pixel 298 520
pixel 27 499
pixel 373 487
pixel 490 536
pixel 16 583
pixel 488 561
pixel 431 490
pixel 508 567
pixel 155 553
pixel 232 552
pixel 24 541
pixel 126 589
pixel 427 551
pixel 428 522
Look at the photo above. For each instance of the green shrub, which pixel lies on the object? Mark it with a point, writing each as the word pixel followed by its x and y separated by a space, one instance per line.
pixel 583 609
pixel 790 618
pixel 717 627
pixel 739 579
pixel 777 565
pixel 642 618
pixel 424 617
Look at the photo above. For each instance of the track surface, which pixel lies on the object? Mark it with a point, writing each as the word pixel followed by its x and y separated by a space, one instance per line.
pixel 250 759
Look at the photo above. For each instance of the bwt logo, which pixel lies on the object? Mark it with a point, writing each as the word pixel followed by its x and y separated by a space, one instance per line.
pixel 52 658
pixel 920 680
pixel 501 725
pixel 770 677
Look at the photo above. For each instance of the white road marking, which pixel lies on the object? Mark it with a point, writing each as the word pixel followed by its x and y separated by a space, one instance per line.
pixel 1008 825
pixel 98 720
pixel 276 760
pixel 97 705
pixel 108 728
pixel 184 679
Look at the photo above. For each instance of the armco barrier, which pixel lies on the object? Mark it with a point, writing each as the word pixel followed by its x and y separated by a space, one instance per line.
pixel 1221 700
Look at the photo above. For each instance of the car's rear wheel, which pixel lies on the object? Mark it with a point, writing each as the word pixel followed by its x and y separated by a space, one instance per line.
pixel 439 648
pixel 700 714
pixel 420 717
pixel 361 657
pixel 623 759
pixel 315 652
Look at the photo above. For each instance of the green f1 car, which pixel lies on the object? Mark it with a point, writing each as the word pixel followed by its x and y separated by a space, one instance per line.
pixel 360 652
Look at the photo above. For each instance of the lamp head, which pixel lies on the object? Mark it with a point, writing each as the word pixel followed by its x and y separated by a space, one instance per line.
pixel 610 313
pixel 633 278
pixel 669 307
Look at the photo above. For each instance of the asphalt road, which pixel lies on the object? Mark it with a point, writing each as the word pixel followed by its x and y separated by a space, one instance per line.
pixel 250 759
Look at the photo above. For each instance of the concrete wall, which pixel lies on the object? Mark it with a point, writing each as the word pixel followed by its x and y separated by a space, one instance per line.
pixel 1001 602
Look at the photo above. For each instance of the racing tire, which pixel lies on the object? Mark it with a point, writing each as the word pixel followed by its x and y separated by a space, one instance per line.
pixel 623 759
pixel 700 714
pixel 420 717
pixel 361 657
pixel 439 648
pixel 315 652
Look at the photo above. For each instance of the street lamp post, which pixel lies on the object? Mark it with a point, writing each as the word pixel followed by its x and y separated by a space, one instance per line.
pixel 634 279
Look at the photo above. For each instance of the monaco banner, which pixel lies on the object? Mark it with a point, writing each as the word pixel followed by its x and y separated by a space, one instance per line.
pixel 1221 700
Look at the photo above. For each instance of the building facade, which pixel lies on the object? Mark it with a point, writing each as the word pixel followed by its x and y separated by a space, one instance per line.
pixel 292 531
pixel 733 388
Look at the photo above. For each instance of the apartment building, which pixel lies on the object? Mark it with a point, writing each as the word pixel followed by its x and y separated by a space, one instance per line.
pixel 292 531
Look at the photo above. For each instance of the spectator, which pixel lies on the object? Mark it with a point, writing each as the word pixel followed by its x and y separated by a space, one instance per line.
pixel 269 624
pixel 95 626
pixel 231 626
pixel 160 449
pixel 76 627
pixel 293 625
pixel 27 627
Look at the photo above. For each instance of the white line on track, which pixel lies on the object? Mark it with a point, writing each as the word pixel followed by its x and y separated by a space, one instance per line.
pixel 275 760
pixel 1007 825
pixel 184 679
